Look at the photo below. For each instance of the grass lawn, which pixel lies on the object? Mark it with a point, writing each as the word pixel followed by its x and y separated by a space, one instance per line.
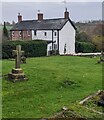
pixel 53 82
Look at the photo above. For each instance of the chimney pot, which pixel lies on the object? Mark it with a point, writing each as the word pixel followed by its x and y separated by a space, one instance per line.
pixel 40 16
pixel 19 17
pixel 66 14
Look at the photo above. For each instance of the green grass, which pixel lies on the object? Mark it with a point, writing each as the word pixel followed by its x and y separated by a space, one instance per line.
pixel 46 92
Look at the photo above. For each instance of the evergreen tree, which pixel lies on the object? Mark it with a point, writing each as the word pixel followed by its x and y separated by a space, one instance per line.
pixel 5 33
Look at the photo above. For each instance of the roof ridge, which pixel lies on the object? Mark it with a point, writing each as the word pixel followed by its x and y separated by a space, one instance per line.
pixel 49 24
pixel 45 19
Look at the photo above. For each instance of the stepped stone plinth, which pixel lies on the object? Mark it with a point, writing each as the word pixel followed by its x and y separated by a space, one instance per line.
pixel 16 75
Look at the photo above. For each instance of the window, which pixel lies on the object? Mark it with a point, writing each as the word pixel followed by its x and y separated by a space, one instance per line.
pixel 50 48
pixel 12 33
pixel 55 33
pixel 55 46
pixel 35 32
pixel 20 33
pixel 45 33
pixel 29 32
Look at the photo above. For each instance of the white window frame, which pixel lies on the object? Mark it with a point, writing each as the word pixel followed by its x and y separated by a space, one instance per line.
pixel 20 33
pixel 13 33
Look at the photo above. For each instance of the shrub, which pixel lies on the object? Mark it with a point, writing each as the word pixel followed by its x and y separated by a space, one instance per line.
pixel 84 47
pixel 53 52
pixel 82 37
pixel 98 41
pixel 34 48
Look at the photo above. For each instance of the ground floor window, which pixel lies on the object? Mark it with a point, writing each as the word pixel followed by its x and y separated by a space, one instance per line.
pixel 55 47
pixel 12 33
pixel 29 32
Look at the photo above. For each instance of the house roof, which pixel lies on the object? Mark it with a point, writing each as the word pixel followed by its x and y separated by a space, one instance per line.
pixel 45 24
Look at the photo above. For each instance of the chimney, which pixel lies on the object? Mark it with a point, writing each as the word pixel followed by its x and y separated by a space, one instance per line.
pixel 19 17
pixel 66 14
pixel 40 16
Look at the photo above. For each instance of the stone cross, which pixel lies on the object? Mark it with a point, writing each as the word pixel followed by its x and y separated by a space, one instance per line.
pixel 18 54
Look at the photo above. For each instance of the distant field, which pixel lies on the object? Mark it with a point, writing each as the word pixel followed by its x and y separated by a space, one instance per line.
pixel 53 82
pixel 8 27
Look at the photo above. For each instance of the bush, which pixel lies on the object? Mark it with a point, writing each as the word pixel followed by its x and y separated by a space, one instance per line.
pixel 53 52
pixel 82 37
pixel 84 47
pixel 34 48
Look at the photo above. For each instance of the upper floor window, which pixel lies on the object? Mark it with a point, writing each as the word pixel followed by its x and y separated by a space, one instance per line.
pixel 12 33
pixel 20 33
pixel 55 33
pixel 35 32
pixel 45 33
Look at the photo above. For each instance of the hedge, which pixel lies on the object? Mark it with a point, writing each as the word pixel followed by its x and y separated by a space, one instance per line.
pixel 84 47
pixel 34 48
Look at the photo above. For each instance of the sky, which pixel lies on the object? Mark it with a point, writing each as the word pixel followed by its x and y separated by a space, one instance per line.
pixel 80 10
pixel 51 0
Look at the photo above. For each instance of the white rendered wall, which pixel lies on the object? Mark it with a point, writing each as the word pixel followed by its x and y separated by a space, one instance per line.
pixel 67 36
pixel 49 46
pixel 40 34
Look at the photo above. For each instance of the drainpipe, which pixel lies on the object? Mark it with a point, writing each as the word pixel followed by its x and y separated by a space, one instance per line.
pixel 52 39
pixel 58 39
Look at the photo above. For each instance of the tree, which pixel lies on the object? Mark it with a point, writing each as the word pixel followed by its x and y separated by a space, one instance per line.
pixel 99 29
pixel 99 42
pixel 13 23
pixel 5 33
pixel 82 37
pixel 98 37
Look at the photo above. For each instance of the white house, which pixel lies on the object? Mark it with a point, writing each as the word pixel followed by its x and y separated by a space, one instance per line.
pixel 60 32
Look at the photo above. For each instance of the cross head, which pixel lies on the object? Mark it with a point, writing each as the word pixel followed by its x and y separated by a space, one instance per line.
pixel 18 53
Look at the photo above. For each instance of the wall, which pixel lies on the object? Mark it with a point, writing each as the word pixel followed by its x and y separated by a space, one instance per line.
pixel 40 34
pixel 27 36
pixel 67 36
pixel 24 35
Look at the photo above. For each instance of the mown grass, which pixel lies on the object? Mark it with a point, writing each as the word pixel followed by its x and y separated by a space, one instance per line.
pixel 46 92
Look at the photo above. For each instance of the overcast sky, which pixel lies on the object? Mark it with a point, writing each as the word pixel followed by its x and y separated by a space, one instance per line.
pixel 79 11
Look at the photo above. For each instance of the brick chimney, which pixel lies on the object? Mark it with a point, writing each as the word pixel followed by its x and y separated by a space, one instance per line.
pixel 19 17
pixel 40 16
pixel 66 14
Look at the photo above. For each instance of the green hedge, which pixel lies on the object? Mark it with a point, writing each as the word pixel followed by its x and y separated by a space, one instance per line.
pixel 34 48
pixel 85 47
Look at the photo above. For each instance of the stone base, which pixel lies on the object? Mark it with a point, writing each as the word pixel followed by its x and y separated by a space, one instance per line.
pixel 17 75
